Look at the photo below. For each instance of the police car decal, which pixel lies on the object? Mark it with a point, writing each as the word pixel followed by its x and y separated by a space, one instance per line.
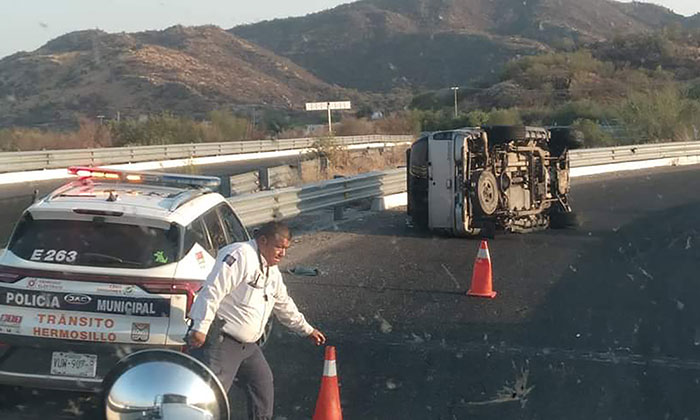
pixel 121 305
pixel 54 255
pixel 83 311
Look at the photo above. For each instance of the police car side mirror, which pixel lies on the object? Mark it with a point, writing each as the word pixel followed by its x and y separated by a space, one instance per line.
pixel 163 384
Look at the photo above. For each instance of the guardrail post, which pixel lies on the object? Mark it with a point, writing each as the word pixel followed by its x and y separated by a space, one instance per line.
pixel 264 177
pixel 323 162
pixel 225 186
pixel 339 210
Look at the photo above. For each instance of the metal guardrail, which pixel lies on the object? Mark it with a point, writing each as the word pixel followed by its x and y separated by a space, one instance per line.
pixel 53 159
pixel 282 176
pixel 255 209
pixel 634 153
pixel 284 203
pixel 246 183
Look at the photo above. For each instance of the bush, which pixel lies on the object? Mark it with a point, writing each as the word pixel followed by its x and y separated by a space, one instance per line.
pixel 159 129
pixel 445 119
pixel 227 127
pixel 694 92
pixel 593 134
pixel 504 117
pixel 90 134
pixel 353 127
pixel 661 115
pixel 166 128
pixel 477 118
pixel 400 123
pixel 275 122
pixel 554 70
pixel 584 109
pixel 327 147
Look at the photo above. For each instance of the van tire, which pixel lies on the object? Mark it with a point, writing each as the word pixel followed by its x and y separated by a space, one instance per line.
pixel 499 134
pixel 487 193
pixel 564 138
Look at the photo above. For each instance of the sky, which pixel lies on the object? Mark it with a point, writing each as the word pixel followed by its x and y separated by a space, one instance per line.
pixel 28 24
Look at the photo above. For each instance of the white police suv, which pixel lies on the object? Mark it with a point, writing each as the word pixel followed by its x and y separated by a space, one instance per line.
pixel 106 265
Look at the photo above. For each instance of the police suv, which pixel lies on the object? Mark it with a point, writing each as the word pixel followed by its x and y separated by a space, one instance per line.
pixel 106 265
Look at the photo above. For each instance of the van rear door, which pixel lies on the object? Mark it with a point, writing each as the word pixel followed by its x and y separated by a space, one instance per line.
pixel 441 173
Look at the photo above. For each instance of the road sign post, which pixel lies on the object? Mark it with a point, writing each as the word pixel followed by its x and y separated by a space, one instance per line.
pixel 455 89
pixel 328 106
pixel 330 122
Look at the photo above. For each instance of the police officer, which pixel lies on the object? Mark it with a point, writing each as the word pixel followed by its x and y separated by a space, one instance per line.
pixel 231 310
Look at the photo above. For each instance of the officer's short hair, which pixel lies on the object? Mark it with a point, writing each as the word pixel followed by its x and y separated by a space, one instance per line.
pixel 274 230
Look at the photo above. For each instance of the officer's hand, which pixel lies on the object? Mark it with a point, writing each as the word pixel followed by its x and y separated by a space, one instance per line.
pixel 196 339
pixel 317 337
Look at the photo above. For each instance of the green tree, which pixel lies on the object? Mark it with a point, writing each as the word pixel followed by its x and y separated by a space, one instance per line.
pixel 164 128
pixel 228 127
pixel 593 134
pixel 505 117
pixel 662 115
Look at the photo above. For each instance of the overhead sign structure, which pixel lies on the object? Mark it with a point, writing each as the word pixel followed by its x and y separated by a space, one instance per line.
pixel 328 106
pixel 322 106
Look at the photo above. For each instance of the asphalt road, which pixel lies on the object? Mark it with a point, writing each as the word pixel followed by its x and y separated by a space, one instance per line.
pixel 600 322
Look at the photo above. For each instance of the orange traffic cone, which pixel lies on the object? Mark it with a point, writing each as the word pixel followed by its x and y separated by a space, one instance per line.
pixel 482 278
pixel 328 404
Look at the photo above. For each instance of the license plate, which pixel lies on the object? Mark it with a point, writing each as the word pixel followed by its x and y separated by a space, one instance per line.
pixel 74 364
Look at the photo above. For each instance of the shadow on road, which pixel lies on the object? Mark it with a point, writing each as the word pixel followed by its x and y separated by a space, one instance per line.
pixel 615 336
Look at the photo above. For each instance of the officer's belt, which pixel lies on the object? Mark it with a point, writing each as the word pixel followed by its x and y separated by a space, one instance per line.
pixel 225 334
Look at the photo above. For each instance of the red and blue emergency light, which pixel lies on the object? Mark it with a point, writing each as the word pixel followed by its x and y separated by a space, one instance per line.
pixel 151 178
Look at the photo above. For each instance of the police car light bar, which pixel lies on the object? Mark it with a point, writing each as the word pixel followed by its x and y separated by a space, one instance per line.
pixel 151 178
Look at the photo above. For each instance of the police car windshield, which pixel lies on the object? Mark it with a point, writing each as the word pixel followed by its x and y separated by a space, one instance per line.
pixel 93 244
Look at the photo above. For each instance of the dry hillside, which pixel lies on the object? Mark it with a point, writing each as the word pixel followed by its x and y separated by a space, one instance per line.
pixel 184 70
pixel 435 43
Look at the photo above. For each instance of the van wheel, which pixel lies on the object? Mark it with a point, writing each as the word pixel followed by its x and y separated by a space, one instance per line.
pixel 505 133
pixel 564 138
pixel 488 193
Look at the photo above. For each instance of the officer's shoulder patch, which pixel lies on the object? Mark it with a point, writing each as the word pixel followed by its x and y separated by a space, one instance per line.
pixel 229 260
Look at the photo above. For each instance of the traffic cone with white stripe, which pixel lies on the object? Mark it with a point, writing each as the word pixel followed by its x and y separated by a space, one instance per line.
pixel 328 404
pixel 482 277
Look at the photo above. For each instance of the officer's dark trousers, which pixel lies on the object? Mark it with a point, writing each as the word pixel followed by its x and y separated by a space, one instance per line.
pixel 229 359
